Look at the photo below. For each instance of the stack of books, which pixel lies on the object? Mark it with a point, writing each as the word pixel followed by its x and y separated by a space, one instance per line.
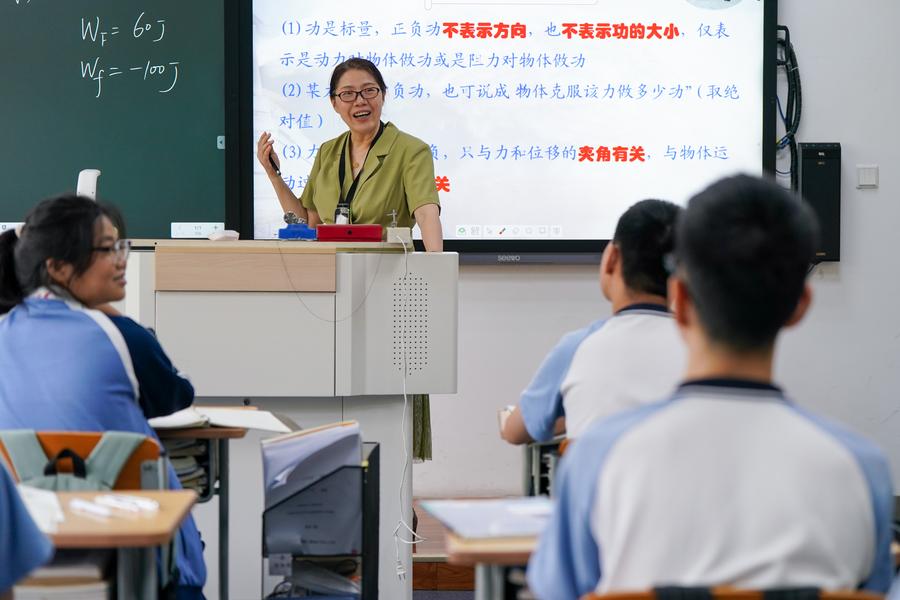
pixel 73 575
pixel 190 458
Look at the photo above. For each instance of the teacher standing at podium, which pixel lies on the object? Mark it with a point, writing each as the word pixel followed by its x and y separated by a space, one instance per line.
pixel 374 171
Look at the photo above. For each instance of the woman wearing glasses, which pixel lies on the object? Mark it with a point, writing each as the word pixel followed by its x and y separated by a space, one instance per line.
pixel 70 363
pixel 374 168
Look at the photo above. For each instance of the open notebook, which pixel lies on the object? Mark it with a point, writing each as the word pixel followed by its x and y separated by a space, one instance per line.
pixel 200 416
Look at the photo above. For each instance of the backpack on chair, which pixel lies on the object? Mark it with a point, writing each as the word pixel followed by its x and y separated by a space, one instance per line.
pixel 98 472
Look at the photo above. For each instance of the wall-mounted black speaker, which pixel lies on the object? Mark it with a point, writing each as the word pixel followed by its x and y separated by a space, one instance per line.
pixel 820 185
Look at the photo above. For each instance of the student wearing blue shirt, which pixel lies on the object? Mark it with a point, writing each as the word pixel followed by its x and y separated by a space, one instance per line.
pixel 630 359
pixel 23 547
pixel 64 364
pixel 728 482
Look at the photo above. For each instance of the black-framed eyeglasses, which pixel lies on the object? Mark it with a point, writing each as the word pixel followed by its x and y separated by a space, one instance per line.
pixel 118 251
pixel 351 95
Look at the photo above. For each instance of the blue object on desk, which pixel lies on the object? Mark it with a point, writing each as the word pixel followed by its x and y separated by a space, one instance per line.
pixel 296 231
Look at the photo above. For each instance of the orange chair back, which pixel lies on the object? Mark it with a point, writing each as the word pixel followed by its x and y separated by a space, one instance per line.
pixel 82 443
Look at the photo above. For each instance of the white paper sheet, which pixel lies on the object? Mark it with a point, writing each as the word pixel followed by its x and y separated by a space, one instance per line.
pixel 251 419
pixel 43 506
pixel 188 417
pixel 493 518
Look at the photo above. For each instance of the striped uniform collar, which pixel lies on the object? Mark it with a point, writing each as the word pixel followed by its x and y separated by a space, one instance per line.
pixel 43 293
pixel 732 386
pixel 56 293
pixel 644 308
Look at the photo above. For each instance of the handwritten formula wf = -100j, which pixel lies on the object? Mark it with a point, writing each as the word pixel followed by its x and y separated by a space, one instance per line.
pixel 95 32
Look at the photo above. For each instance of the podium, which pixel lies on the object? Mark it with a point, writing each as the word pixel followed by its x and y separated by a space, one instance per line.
pixel 319 331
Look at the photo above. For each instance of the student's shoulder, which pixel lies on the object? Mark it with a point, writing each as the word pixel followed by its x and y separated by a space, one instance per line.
pixel 129 324
pixel 584 333
pixel 592 447
pixel 646 337
pixel 133 332
pixel 862 448
pixel 571 341
pixel 598 334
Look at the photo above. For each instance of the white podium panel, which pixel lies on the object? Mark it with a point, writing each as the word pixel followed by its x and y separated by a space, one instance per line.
pixel 250 343
pixel 389 312
pixel 391 309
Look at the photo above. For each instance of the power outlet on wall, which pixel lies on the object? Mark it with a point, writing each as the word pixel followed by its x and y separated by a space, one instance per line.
pixel 866 177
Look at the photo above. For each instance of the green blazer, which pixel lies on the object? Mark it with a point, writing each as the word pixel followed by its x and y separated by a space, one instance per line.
pixel 398 175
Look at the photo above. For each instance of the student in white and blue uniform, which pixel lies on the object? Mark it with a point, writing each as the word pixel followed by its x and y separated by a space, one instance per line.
pixel 632 358
pixel 728 482
pixel 64 364
pixel 23 547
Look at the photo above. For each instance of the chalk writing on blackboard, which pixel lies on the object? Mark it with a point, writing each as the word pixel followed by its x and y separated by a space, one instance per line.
pixel 95 29
pixel 161 75
pixel 164 73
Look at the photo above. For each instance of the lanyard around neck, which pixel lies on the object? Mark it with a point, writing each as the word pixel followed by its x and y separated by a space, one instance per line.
pixel 342 168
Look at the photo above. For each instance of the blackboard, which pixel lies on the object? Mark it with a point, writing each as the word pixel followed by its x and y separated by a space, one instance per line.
pixel 135 89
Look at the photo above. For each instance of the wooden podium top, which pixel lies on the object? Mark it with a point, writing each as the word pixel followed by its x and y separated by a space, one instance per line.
pixel 252 265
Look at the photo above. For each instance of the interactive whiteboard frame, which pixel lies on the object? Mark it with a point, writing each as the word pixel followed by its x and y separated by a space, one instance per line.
pixel 239 156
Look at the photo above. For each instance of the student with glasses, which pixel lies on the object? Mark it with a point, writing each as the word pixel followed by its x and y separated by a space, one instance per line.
pixel 68 362
pixel 374 170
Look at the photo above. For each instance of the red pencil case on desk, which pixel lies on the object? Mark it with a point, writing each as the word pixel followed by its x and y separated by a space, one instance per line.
pixel 349 233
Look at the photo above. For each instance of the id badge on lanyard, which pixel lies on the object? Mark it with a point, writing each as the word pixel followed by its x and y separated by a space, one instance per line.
pixel 342 210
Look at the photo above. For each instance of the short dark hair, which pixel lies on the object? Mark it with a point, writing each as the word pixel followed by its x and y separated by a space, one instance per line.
pixel 114 214
pixel 745 245
pixel 360 64
pixel 645 234
pixel 60 228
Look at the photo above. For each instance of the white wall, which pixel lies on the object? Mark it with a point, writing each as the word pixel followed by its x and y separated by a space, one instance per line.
pixel 844 360
pixel 509 317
